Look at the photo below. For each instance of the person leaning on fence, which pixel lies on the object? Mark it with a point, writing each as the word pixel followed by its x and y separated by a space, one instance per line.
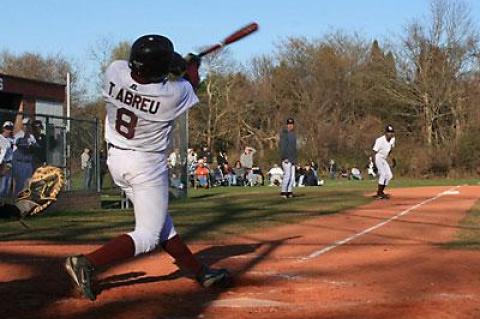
pixel 6 154
pixel 87 168
pixel 22 160
pixel 40 149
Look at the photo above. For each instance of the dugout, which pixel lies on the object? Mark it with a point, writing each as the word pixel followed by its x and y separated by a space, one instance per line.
pixel 39 97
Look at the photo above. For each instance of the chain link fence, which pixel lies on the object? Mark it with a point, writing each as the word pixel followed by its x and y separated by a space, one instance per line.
pixel 57 141
pixel 63 141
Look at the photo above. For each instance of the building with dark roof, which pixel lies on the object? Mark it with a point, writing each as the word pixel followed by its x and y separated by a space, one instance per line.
pixel 39 97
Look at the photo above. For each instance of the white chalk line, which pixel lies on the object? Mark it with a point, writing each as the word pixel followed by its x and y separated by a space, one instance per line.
pixel 338 243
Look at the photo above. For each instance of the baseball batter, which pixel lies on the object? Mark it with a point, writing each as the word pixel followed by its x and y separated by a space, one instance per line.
pixel 383 148
pixel 142 103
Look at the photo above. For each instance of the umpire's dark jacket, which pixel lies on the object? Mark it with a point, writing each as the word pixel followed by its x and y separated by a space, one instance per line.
pixel 288 146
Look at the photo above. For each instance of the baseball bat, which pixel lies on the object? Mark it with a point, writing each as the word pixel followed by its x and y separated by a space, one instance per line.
pixel 234 37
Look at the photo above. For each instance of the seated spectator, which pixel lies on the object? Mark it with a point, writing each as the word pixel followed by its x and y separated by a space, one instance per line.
pixel 229 174
pixel 275 175
pixel 344 173
pixel 251 177
pixel 310 176
pixel 175 182
pixel 355 174
pixel 299 176
pixel 202 175
pixel 239 172
pixel 218 178
pixel 260 178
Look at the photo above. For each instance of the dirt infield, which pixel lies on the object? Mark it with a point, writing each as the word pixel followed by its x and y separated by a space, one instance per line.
pixel 382 260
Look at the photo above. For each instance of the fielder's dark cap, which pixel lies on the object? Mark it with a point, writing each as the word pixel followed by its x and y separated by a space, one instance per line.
pixel 290 121
pixel 389 129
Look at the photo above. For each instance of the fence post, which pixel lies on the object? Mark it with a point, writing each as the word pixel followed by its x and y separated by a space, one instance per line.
pixel 97 155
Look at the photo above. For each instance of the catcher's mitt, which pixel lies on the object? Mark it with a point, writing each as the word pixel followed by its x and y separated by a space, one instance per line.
pixel 42 190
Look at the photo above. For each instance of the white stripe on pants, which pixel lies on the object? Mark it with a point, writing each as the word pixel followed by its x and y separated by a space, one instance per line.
pixel 384 171
pixel 288 176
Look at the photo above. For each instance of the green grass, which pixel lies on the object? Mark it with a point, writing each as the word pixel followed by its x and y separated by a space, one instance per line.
pixel 468 235
pixel 206 214
pixel 210 214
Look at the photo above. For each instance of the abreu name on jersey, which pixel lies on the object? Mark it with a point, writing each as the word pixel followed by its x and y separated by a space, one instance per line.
pixel 134 100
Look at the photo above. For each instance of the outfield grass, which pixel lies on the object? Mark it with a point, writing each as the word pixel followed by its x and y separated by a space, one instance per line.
pixel 211 214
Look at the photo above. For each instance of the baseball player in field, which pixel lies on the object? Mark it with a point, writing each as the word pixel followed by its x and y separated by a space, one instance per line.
pixel 142 102
pixel 383 148
pixel 288 155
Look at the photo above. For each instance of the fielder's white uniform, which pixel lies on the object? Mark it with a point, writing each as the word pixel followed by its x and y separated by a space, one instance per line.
pixel 382 148
pixel 138 125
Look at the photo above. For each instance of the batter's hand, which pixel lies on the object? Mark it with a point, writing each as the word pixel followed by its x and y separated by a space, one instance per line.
pixel 178 65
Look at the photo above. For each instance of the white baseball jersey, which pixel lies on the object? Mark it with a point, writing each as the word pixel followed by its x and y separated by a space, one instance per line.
pixel 383 147
pixel 140 116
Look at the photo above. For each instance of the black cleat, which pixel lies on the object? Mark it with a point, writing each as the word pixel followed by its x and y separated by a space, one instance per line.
pixel 81 272
pixel 210 277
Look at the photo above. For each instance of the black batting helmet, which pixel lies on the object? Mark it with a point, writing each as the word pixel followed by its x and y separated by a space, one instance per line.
pixel 150 57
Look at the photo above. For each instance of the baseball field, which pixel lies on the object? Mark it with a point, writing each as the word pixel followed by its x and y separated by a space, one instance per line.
pixel 330 252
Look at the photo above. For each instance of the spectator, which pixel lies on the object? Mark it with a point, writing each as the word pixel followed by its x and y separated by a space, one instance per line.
pixel 103 167
pixel 40 149
pixel 356 174
pixel 311 178
pixel 6 154
pixel 175 182
pixel 299 176
pixel 218 177
pixel 192 156
pixel 239 172
pixel 246 159
pixel 288 156
pixel 275 175
pixel 174 158
pixel 332 169
pixel 22 159
pixel 251 178
pixel 202 174
pixel 222 158
pixel 229 174
pixel 206 154
pixel 87 168
pixel 371 168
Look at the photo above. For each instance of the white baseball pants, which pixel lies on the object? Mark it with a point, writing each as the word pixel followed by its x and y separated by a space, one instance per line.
pixel 384 171
pixel 288 176
pixel 143 176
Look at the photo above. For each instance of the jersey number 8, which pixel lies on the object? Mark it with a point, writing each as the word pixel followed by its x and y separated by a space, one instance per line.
pixel 125 123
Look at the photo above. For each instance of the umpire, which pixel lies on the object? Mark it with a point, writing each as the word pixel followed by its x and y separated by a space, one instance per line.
pixel 288 155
